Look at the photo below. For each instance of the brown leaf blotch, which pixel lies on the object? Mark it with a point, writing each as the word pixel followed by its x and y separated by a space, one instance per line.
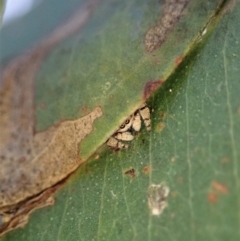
pixel 146 170
pixel 212 197
pixel 150 87
pixel 130 172
pixel 220 188
pixel 178 60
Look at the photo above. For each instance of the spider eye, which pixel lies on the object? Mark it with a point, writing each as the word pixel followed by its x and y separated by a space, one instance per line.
pixel 122 126
pixel 127 121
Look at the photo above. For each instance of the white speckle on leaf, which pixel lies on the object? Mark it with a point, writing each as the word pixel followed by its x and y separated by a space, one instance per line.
pixel 157 198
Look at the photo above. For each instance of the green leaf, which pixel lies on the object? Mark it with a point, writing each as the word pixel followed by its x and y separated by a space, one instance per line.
pixel 193 147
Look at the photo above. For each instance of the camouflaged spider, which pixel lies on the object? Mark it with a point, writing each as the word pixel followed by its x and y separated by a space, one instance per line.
pixel 130 125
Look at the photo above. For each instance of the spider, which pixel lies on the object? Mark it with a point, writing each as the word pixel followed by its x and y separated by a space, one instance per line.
pixel 130 125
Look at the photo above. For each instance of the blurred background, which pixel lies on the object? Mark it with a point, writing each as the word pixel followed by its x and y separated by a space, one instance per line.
pixel 16 9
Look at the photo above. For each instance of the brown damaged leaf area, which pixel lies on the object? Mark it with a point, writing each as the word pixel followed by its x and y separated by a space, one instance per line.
pixel 217 189
pixel 151 87
pixel 172 11
pixel 50 157
pixel 131 173
pixel 32 162
pixel 146 170
pixel 19 217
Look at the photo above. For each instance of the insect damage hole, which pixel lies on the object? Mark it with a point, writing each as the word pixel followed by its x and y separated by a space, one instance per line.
pixel 157 198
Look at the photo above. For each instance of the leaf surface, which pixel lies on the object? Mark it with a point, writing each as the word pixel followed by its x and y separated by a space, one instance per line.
pixel 193 147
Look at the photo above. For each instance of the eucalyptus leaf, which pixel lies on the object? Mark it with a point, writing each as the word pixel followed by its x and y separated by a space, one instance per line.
pixel 192 149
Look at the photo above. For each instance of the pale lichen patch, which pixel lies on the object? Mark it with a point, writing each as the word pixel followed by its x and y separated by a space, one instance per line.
pixel 172 11
pixel 157 198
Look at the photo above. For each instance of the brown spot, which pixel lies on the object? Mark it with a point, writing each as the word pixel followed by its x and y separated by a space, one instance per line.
pixel 146 169
pixel 130 172
pixel 217 189
pixel 20 215
pixel 212 197
pixel 225 160
pixel 22 160
pixel 163 115
pixel 220 188
pixel 160 126
pixel 178 60
pixel 150 87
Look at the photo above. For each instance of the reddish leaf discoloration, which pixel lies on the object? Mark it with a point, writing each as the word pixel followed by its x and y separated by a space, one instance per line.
pixel 212 197
pixel 178 60
pixel 150 87
pixel 146 170
pixel 220 188
pixel 216 190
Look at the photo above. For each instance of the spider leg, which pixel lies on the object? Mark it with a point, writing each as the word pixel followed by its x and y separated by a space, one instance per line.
pixel 124 136
pixel 145 114
pixel 136 124
pixel 126 125
pixel 116 144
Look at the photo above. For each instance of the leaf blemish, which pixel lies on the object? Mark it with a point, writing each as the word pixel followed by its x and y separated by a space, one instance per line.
pixel 38 160
pixel 162 115
pixel 178 60
pixel 160 126
pixel 50 165
pixel 216 189
pixel 212 198
pixel 172 10
pixel 220 188
pixel 146 170
pixel 157 198
pixel 130 172
pixel 56 155
pixel 150 87
pixel 19 216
